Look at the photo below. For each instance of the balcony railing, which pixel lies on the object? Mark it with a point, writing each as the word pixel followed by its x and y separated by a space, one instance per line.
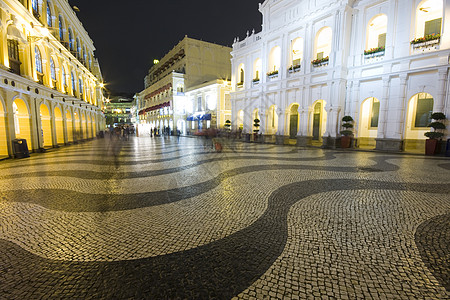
pixel 14 66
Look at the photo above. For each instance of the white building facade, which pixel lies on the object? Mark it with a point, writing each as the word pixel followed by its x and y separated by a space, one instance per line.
pixel 385 63
pixel 207 106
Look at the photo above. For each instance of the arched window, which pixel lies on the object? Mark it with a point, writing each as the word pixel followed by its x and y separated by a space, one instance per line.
pixel 241 74
pixel 80 82
pixel 61 29
pixel 257 65
pixel 376 33
pixel 52 69
pixel 90 61
pixel 429 18
pixel 70 39
pixel 49 15
pixel 274 59
pixel 78 48
pixel 323 43
pixel 38 60
pixel 74 84
pixel 35 7
pixel 297 52
pixel 85 56
pixel 64 79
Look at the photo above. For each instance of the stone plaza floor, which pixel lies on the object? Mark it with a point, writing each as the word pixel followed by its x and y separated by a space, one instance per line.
pixel 162 218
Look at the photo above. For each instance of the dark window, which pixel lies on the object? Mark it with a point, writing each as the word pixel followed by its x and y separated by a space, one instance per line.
pixel 52 69
pixel 242 75
pixel 35 7
pixel 433 27
pixel 70 39
pixel 61 29
pixel 375 113
pixel 13 54
pixel 424 109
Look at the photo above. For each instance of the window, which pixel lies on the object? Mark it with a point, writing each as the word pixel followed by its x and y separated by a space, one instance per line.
pixel 38 60
pixel 35 7
pixel 52 69
pixel 242 76
pixel 376 32
pixel 297 51
pixel 61 29
pixel 78 48
pixel 70 39
pixel 74 84
pixel 13 54
pixel 64 77
pixel 323 43
pixel 199 103
pixel 429 15
pixel 433 27
pixel 49 15
pixel 274 59
pixel 424 109
pixel 257 66
pixel 375 113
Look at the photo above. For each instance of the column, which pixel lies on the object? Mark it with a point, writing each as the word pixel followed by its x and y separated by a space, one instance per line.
pixel 384 106
pixel 441 89
pixel 401 115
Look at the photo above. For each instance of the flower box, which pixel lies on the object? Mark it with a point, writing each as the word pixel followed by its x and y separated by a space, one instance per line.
pixel 320 62
pixel 240 84
pixel 429 43
pixel 426 41
pixel 374 54
pixel 255 81
pixel 272 74
pixel 294 69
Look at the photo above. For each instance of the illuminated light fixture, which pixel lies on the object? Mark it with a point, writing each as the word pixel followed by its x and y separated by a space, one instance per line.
pixel 424 9
pixel 155 61
pixel 102 85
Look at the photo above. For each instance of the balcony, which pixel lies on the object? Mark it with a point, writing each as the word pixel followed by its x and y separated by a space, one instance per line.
pixel 426 41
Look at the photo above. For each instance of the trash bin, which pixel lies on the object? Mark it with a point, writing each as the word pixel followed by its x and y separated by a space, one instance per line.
pixel 20 148
pixel 447 149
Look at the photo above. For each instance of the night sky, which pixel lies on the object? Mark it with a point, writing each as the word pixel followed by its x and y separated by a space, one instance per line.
pixel 128 37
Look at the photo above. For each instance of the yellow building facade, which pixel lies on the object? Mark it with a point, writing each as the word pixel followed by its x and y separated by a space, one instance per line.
pixel 162 104
pixel 50 81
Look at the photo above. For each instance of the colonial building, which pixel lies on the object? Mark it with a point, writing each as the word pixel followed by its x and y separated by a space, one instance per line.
pixel 385 63
pixel 119 110
pixel 207 106
pixel 191 62
pixel 50 81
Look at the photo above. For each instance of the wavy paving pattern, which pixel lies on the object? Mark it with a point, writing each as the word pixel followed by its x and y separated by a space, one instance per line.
pixel 240 260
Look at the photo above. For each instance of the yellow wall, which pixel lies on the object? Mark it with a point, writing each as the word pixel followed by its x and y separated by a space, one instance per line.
pixel 46 126
pixel 59 126
pixel 3 140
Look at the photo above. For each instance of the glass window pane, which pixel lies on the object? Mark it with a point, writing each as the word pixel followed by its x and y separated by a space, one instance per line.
pixel 424 110
pixel 433 27
pixel 375 114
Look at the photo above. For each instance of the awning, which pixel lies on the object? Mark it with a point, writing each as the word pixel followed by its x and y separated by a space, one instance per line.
pixel 206 117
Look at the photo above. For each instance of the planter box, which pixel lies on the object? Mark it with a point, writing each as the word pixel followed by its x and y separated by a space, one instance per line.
pixel 323 63
pixel 294 70
pixel 376 54
pixel 427 43
pixel 272 76
pixel 430 146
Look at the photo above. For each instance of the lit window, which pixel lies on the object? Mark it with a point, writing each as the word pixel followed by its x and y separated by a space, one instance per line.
pixel 38 60
pixel 376 32
pixel 297 51
pixel 429 18
pixel 70 39
pixel 49 15
pixel 323 43
pixel 52 69
pixel 61 29
pixel 424 109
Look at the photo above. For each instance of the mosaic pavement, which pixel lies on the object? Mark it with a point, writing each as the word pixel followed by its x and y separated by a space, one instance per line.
pixel 167 219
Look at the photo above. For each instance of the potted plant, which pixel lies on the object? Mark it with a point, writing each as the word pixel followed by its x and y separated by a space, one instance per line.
pixel 347 133
pixel 256 130
pixel 435 135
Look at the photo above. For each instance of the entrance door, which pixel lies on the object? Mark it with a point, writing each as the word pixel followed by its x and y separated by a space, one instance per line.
pixel 293 126
pixel 316 121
